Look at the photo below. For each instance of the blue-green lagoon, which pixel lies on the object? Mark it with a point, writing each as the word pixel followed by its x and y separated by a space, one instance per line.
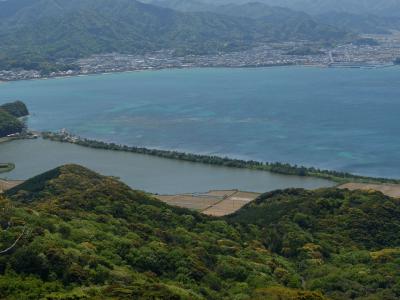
pixel 340 119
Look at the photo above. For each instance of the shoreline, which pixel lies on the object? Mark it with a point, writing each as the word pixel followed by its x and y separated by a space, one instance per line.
pixel 322 66
pixel 273 167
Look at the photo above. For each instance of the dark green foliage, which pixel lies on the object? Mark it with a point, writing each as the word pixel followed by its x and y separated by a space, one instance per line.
pixel 9 114
pixel 17 109
pixel 88 230
pixel 349 218
pixel 6 167
pixel 86 236
pixel 30 189
pixel 339 238
pixel 397 61
pixel 9 124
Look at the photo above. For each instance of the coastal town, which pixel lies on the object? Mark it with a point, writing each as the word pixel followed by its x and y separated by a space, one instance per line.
pixel 377 50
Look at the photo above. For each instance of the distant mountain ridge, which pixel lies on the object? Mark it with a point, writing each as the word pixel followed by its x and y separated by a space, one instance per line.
pixel 387 8
pixel 354 19
pixel 34 32
pixel 370 24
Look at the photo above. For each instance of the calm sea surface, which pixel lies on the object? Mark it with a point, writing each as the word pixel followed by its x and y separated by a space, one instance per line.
pixel 152 174
pixel 341 119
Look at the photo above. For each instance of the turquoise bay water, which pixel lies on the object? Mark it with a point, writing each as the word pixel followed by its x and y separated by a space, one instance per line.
pixel 341 119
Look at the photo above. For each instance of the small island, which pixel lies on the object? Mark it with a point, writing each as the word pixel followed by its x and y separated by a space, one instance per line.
pixel 10 124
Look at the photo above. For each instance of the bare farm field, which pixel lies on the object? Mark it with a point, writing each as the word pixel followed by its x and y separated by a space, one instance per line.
pixel 391 190
pixel 213 203
pixel 6 185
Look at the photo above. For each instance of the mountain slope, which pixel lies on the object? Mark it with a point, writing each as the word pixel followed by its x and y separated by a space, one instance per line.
pixel 388 8
pixel 282 23
pixel 73 234
pixel 370 24
pixel 92 237
pixel 359 21
pixel 39 31
pixel 9 114
pixel 339 238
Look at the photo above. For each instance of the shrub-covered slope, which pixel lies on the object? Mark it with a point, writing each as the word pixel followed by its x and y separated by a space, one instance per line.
pixel 9 124
pixel 95 238
pixel 9 114
pixel 74 234
pixel 345 243
pixel 17 109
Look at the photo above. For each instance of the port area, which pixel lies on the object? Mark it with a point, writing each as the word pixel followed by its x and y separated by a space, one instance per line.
pixel 213 203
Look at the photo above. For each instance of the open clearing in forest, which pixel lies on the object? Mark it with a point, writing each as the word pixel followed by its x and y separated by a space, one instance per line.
pixel 391 190
pixel 214 203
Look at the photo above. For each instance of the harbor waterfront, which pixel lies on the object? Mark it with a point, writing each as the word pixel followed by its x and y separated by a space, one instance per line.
pixel 152 174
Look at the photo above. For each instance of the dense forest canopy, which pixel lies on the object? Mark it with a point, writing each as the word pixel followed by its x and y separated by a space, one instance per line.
pixel 81 235
pixel 17 109
pixel 9 114
pixel 9 124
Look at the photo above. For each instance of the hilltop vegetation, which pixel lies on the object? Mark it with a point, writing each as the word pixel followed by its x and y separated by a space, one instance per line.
pixel 346 244
pixel 17 109
pixel 356 16
pixel 9 124
pixel 9 114
pixel 84 236
pixel 50 34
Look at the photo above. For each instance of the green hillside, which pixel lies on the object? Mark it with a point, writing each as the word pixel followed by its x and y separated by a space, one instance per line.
pixel 9 114
pixel 346 244
pixel 284 23
pixel 9 124
pixel 17 109
pixel 74 234
pixel 37 33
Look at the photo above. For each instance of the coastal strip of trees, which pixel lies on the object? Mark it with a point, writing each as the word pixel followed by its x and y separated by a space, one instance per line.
pixel 6 167
pixel 274 167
